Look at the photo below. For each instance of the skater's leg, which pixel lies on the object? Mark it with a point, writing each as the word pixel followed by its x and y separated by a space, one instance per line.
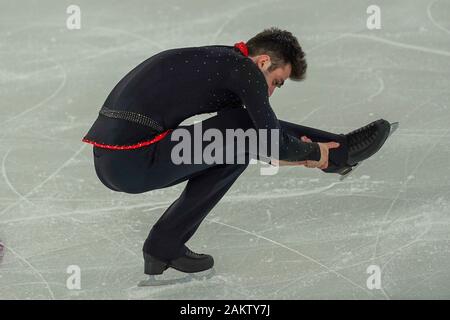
pixel 337 156
pixel 206 186
pixel 175 227
pixel 183 217
pixel 152 167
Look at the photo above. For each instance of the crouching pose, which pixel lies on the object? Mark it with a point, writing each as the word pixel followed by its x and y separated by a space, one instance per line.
pixel 137 133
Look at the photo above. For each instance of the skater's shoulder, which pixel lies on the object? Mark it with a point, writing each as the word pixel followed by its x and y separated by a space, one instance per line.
pixel 243 71
pixel 207 50
pixel 220 55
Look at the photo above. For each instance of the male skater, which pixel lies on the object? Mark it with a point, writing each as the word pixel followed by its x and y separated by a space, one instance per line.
pixel 134 133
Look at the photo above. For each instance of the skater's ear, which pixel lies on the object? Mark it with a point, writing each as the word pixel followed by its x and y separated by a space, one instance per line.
pixel 263 62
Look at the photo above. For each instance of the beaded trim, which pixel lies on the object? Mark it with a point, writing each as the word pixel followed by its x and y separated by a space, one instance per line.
pixel 133 146
pixel 131 116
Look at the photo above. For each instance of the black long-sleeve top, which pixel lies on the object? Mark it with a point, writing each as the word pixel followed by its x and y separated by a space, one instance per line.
pixel 176 84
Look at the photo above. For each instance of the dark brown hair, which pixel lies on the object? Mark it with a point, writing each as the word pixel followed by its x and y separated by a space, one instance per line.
pixel 282 48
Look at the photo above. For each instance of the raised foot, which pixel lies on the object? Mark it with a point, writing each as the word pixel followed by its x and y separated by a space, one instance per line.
pixel 393 126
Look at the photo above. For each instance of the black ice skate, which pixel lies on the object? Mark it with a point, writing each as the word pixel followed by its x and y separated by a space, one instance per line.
pixel 190 262
pixel 364 143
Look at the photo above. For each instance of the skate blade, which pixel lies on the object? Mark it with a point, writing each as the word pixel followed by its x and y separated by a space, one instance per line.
pixel 394 126
pixel 155 281
pixel 347 172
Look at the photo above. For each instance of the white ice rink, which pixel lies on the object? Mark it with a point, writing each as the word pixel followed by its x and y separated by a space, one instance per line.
pixel 300 234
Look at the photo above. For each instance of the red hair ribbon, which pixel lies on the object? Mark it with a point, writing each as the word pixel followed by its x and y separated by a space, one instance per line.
pixel 242 47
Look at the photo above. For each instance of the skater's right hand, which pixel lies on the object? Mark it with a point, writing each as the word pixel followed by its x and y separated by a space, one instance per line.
pixel 321 164
pixel 324 154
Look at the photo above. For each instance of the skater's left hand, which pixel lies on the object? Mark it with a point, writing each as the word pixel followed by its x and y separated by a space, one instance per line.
pixel 323 162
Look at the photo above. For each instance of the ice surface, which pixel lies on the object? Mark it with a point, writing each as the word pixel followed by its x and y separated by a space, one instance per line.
pixel 296 235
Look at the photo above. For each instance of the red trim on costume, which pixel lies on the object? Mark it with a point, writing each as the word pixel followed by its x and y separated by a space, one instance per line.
pixel 133 146
pixel 242 47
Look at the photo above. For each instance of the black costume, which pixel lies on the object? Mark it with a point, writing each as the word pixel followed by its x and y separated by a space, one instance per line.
pixel 132 134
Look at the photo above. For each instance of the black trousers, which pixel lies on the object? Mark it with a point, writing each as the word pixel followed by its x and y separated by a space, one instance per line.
pixel 149 168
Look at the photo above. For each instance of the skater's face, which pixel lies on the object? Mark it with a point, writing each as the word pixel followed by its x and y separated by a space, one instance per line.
pixel 275 78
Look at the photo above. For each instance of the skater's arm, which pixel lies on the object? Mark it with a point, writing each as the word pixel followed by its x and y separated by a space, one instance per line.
pixel 248 82
pixel 321 164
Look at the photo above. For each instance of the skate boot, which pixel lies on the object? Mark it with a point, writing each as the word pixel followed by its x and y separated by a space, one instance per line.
pixel 362 144
pixel 189 262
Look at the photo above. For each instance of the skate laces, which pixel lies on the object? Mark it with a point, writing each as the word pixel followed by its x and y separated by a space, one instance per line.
pixel 190 252
pixel 362 137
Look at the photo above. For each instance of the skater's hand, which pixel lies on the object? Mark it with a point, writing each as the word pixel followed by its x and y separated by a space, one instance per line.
pixel 281 163
pixel 321 164
pixel 324 154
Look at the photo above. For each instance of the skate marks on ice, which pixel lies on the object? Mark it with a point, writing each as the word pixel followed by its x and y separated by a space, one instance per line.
pixel 234 15
pixel 282 194
pixel 51 176
pixel 33 269
pixel 433 21
pixel 297 252
pixel 7 180
pixel 2 251
pixel 404 186
pixel 47 99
